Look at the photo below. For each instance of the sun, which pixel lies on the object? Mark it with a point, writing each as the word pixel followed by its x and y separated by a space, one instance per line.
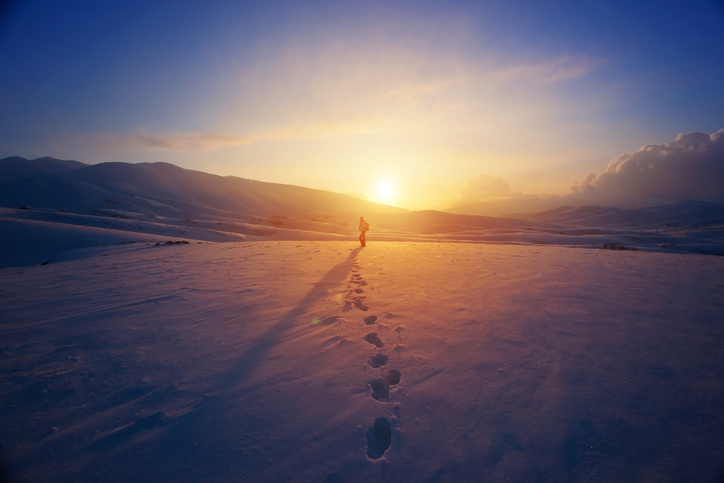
pixel 386 191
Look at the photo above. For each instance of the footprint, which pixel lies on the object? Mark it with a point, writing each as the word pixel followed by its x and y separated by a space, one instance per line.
pixel 374 340
pixel 369 320
pixel 393 377
pixel 390 315
pixel 379 437
pixel 359 303
pixel 378 361
pixel 358 290
pixel 379 390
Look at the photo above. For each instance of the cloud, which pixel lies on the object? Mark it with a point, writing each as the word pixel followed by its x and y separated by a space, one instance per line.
pixel 492 196
pixel 405 86
pixel 690 167
pixel 555 70
pixel 144 141
pixel 195 142
pixel 336 89
pixel 484 187
pixel 186 142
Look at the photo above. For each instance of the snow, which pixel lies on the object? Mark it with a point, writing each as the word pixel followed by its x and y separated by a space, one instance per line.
pixel 161 324
pixel 207 361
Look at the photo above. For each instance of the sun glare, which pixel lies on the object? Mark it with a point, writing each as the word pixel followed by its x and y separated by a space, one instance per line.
pixel 385 191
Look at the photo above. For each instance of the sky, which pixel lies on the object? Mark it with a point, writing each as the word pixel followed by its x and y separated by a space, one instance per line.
pixel 410 103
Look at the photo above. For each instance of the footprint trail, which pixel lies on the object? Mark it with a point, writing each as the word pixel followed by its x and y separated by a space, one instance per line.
pixel 382 388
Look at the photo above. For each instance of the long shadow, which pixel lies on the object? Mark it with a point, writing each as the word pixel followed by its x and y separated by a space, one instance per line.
pixel 253 356
pixel 192 425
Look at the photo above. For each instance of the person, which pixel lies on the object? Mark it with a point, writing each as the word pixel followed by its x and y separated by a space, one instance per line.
pixel 363 227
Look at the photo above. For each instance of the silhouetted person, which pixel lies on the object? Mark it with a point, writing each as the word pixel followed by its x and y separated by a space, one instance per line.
pixel 363 227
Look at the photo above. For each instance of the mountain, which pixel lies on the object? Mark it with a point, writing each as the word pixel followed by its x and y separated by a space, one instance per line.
pixel 682 213
pixel 162 188
pixel 520 203
pixel 49 207
pixel 16 168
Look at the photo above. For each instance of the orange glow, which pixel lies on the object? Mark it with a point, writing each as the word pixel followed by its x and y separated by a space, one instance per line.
pixel 385 191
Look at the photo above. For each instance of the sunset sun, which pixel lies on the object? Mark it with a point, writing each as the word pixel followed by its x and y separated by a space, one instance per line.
pixel 385 192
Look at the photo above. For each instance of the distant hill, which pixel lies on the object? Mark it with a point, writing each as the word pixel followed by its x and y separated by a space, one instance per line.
pixel 682 213
pixel 502 207
pixel 16 168
pixel 50 206
pixel 161 188
pixel 438 222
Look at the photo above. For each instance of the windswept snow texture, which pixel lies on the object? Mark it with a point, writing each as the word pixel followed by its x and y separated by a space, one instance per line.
pixel 250 362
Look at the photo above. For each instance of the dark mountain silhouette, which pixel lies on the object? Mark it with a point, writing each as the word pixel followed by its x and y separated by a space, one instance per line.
pixel 162 188
pixel 16 168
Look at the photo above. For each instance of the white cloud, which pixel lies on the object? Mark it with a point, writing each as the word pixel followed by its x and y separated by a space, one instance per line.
pixel 690 167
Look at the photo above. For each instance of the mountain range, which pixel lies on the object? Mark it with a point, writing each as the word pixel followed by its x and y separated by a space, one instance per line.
pixel 49 206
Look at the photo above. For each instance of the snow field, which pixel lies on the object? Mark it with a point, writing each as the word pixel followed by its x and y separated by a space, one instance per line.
pixel 257 361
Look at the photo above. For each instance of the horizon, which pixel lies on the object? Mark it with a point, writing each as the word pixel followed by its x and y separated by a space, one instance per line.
pixel 548 205
pixel 497 106
pixel 337 241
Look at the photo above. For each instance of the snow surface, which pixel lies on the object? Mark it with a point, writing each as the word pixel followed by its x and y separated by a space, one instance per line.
pixel 402 361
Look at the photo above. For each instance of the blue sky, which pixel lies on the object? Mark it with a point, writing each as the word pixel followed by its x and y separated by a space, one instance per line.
pixel 348 95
